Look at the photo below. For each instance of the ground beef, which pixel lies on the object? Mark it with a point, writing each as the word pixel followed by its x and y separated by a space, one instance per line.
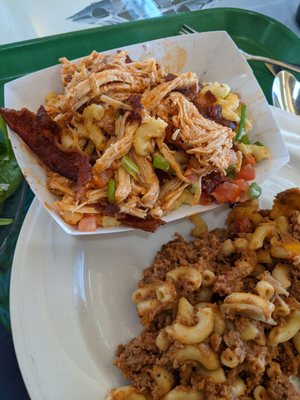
pixel 282 389
pixel 215 341
pixel 221 391
pixel 295 224
pixel 203 252
pixel 173 254
pixel 137 358
pixel 233 340
pixel 258 363
pixel 162 319
pixel 295 280
pixel 288 359
pixel 232 280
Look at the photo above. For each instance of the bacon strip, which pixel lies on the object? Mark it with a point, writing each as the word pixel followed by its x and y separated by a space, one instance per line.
pixel 38 131
pixel 148 224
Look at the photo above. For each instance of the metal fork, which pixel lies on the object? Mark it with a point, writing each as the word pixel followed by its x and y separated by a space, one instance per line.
pixel 186 29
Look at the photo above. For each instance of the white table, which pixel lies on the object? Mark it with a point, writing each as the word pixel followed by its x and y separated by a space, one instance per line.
pixel 22 20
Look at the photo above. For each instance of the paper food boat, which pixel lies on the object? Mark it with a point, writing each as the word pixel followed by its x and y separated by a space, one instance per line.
pixel 212 55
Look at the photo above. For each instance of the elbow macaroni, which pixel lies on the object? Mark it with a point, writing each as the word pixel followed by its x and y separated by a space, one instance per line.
pixel 163 379
pixel 184 393
pixel 125 393
pixel 193 334
pixel 201 353
pixel 189 274
pixel 285 332
pixel 229 358
pixel 206 338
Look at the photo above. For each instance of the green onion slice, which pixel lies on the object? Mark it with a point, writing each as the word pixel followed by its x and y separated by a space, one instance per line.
pixel 254 190
pixel 111 190
pixel 193 187
pixel 130 166
pixel 242 123
pixel 231 171
pixel 245 139
pixel 258 143
pixel 5 221
pixel 160 162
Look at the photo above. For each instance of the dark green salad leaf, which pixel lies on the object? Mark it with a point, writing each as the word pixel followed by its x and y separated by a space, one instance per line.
pixel 10 173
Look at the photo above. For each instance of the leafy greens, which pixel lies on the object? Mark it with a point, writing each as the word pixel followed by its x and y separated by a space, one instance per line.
pixel 10 173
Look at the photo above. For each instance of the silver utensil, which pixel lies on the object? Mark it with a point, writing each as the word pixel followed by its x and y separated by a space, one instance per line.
pixel 294 67
pixel 274 69
pixel 286 92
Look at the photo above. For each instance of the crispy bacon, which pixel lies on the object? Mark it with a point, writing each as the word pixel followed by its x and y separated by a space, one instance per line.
pixel 189 92
pixel 211 181
pixel 39 132
pixel 106 208
pixel 215 113
pixel 205 101
pixel 207 107
pixel 148 224
pixel 135 101
pixel 169 77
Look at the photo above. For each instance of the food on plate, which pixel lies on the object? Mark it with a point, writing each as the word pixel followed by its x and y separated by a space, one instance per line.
pixel 221 314
pixel 127 143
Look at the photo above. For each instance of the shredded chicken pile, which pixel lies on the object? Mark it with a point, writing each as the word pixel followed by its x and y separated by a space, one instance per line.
pixel 112 107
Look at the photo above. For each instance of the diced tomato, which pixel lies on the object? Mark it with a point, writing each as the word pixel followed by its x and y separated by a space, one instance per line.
pixel 227 192
pixel 247 172
pixel 88 223
pixel 243 185
pixel 249 159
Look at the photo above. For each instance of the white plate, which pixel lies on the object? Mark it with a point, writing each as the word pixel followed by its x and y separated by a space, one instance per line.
pixel 71 297
pixel 216 58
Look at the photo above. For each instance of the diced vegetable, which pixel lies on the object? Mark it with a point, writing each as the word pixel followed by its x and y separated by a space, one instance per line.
pixel 111 190
pixel 226 192
pixel 247 172
pixel 249 159
pixel 242 123
pixel 231 171
pixel 160 162
pixel 254 190
pixel 193 187
pixel 242 184
pixel 245 139
pixel 88 223
pixel 130 166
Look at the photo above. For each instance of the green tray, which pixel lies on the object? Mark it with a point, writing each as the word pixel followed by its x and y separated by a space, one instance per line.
pixel 252 32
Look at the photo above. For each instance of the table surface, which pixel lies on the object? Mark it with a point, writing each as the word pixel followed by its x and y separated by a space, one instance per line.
pixel 31 19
